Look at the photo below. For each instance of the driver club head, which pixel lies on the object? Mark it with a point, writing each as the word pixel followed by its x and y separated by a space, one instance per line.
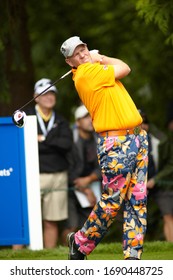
pixel 19 118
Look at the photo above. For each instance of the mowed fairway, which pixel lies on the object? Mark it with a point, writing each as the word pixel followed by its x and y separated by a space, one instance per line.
pixel 158 250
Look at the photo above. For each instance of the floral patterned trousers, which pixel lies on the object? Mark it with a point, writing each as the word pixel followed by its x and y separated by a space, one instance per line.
pixel 123 161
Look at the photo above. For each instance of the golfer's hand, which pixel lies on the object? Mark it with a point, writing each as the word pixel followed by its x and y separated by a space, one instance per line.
pixel 96 57
pixel 94 51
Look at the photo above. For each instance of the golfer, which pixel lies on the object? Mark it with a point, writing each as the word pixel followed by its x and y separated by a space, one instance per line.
pixel 122 150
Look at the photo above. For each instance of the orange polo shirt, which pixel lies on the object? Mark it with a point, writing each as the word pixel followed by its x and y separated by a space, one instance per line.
pixel 108 102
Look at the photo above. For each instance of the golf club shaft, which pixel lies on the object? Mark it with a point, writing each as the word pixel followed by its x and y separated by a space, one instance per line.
pixel 62 77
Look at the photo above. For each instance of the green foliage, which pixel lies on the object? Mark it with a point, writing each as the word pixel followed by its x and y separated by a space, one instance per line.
pixel 137 32
pixel 160 12
pixel 114 28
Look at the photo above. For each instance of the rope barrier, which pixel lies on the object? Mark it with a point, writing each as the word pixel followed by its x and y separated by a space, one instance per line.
pixel 68 189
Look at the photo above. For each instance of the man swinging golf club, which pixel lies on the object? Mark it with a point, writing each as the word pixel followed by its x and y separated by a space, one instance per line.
pixel 122 150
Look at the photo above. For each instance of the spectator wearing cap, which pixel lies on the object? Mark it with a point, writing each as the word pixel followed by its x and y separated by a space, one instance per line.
pixel 54 142
pixel 84 173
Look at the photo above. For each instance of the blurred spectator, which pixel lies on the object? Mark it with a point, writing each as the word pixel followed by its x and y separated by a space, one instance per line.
pixel 152 146
pixel 84 174
pixel 54 142
pixel 161 180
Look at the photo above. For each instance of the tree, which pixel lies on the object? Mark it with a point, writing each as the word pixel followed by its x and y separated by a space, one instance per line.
pixel 15 52
pixel 160 12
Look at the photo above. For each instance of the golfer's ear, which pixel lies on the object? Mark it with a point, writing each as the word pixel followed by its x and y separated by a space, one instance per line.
pixel 68 62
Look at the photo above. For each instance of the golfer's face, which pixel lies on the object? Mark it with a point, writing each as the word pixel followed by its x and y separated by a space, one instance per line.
pixel 81 55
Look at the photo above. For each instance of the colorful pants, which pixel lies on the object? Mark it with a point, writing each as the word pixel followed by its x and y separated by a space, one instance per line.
pixel 123 161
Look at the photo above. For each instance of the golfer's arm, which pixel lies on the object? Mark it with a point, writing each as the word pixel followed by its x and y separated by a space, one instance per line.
pixel 121 69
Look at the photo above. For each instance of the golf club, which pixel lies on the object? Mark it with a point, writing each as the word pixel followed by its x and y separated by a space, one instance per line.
pixel 19 116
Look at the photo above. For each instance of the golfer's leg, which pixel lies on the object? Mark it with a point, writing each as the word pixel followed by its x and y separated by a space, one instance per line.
pixel 135 208
pixel 105 211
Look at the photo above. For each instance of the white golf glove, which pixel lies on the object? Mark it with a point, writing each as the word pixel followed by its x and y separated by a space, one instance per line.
pixel 94 51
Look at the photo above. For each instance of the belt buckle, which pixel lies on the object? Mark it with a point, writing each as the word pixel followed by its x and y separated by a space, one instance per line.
pixel 137 130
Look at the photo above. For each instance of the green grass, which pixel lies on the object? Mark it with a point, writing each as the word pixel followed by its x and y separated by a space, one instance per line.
pixel 158 250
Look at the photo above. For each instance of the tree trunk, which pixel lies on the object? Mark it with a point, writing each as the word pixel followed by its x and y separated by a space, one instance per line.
pixel 18 67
